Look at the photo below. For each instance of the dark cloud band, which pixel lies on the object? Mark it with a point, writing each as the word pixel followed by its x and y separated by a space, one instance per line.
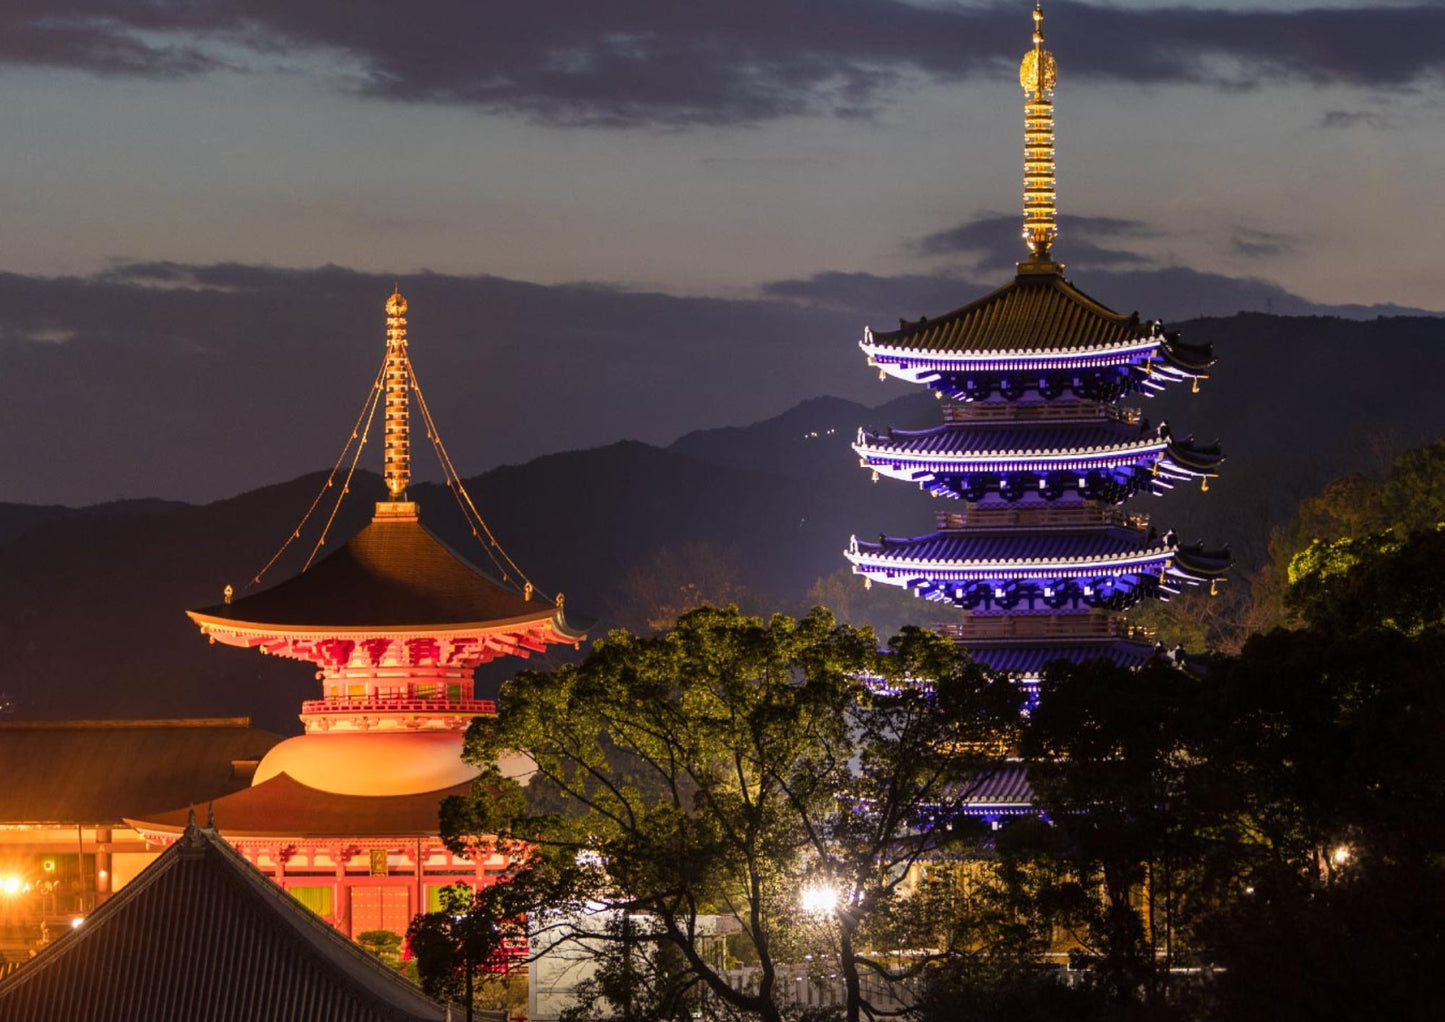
pixel 660 62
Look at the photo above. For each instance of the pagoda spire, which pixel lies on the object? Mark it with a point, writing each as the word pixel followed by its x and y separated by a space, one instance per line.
pixel 397 432
pixel 1038 74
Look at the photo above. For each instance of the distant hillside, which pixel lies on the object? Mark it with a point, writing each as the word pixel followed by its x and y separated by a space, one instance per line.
pixel 92 599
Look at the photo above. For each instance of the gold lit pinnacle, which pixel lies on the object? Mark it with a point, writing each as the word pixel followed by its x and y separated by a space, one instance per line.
pixel 1038 74
pixel 397 431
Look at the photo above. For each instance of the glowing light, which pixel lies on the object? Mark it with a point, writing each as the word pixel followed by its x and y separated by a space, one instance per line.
pixel 819 899
pixel 75 923
pixel 10 886
pixel 1340 855
pixel 397 425
pixel 1039 74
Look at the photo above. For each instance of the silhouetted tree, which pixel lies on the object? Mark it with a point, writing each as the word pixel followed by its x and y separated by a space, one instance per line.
pixel 726 766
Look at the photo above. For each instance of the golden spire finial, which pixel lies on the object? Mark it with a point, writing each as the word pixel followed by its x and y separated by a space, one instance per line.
pixel 397 426
pixel 1038 74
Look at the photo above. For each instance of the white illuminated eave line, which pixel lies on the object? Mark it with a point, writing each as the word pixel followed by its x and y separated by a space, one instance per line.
pixel 218 626
pixel 993 457
pixel 885 563
pixel 1137 346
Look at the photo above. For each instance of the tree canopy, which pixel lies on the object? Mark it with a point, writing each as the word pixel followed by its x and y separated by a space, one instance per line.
pixel 727 767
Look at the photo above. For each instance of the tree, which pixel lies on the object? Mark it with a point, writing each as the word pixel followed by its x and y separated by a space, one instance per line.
pixel 1107 753
pixel 724 768
pixel 476 932
pixel 1408 498
pixel 385 944
pixel 671 580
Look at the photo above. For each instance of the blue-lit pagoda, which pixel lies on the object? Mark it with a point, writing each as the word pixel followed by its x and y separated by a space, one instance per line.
pixel 1038 451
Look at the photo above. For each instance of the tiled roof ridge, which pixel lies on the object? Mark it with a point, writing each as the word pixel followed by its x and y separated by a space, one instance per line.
pixel 312 932
pixel 124 722
pixel 1055 282
pixel 371 980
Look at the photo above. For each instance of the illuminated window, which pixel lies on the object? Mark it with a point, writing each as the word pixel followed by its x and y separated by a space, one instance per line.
pixel 317 899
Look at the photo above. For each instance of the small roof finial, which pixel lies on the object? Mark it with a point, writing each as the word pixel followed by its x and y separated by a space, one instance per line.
pixel 1038 74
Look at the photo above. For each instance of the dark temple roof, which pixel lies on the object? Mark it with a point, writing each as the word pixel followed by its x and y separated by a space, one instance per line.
pixel 1028 548
pixel 201 934
pixel 1016 545
pixel 393 573
pixel 1036 312
pixel 991 438
pixel 1003 787
pixel 1033 312
pixel 284 806
pixel 99 771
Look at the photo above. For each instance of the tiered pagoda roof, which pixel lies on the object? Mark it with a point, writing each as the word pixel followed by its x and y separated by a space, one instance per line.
pixel 1026 334
pixel 1094 567
pixel 283 807
pixel 394 577
pixel 1036 368
pixel 96 771
pixel 1101 457
pixel 1040 555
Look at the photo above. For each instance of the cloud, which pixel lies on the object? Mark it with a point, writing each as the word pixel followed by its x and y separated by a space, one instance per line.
pixel 663 63
pixel 993 239
pixel 1256 244
pixel 1167 293
pixel 875 298
pixel 1351 118
pixel 196 382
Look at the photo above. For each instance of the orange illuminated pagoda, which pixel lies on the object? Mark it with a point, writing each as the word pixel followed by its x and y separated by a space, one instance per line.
pixel 395 622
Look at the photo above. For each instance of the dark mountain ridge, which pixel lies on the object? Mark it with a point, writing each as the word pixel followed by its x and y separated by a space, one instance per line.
pixel 92 599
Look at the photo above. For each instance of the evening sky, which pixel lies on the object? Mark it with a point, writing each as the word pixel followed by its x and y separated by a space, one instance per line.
pixel 639 217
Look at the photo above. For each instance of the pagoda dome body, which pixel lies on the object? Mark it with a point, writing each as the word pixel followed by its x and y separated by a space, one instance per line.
pixel 384 763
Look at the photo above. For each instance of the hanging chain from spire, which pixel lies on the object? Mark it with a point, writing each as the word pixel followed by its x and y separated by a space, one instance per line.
pixel 357 437
pixel 397 417
pixel 394 382
pixel 1038 74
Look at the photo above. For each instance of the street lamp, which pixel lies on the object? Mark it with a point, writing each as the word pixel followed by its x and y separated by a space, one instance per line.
pixel 819 899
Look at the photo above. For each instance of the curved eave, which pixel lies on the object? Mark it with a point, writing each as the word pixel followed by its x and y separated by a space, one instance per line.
pixel 880 455
pixel 1197 564
pixel 1193 461
pixel 868 558
pixel 1191 359
pixel 165 834
pixel 550 619
pixel 912 363
pixel 284 808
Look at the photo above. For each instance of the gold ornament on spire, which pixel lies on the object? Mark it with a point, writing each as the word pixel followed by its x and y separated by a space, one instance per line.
pixel 1038 74
pixel 397 381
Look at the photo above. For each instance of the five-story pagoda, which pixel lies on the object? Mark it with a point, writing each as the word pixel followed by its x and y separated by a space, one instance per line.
pixel 1038 451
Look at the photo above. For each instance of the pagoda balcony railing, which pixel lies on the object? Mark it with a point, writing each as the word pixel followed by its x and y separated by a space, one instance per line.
pixel 1039 518
pixel 384 704
pixel 1052 411
pixel 1043 626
